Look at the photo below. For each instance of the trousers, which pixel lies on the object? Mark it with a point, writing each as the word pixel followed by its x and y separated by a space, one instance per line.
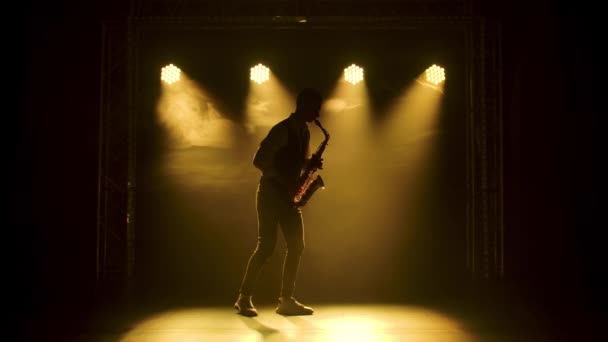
pixel 274 210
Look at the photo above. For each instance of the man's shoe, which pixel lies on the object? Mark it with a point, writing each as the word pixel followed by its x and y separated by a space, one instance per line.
pixel 291 307
pixel 245 307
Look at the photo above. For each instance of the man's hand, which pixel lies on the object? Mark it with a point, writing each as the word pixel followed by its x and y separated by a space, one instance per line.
pixel 315 163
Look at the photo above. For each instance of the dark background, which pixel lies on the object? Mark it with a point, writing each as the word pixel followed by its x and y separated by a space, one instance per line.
pixel 551 109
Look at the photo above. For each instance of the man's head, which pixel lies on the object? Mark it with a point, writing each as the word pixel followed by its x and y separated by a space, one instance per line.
pixel 308 104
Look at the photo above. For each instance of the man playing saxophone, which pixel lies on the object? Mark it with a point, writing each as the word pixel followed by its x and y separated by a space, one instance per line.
pixel 281 157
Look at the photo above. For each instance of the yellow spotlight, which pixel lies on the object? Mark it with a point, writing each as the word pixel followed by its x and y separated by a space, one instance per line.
pixel 353 74
pixel 170 74
pixel 260 74
pixel 435 74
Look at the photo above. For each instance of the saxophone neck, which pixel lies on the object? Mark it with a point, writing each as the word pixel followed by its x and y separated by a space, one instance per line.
pixel 321 148
pixel 318 123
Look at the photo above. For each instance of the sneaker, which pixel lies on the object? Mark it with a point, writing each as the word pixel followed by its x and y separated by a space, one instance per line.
pixel 245 307
pixel 291 307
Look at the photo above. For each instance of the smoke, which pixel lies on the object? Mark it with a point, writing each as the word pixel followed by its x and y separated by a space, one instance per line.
pixel 191 117
pixel 267 104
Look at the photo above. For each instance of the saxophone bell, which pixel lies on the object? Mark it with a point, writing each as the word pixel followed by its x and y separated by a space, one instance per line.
pixel 315 185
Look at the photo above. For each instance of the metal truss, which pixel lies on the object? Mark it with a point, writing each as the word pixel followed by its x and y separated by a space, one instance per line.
pixel 485 222
pixel 113 246
pixel 117 142
pixel 182 8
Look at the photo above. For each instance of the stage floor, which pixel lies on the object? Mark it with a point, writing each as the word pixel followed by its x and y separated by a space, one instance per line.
pixel 329 323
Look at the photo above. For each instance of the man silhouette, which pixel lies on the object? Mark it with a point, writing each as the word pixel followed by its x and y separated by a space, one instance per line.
pixel 281 156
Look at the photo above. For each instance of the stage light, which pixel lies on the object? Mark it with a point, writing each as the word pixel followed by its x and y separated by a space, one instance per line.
pixel 260 74
pixel 170 74
pixel 353 74
pixel 435 74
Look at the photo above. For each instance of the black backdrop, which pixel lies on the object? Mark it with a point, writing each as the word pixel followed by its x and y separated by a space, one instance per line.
pixel 551 105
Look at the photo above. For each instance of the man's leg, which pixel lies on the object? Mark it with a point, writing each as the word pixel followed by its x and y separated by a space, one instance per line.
pixel 293 231
pixel 267 236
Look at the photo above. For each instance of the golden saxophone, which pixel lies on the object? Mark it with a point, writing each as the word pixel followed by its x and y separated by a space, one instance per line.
pixel 309 182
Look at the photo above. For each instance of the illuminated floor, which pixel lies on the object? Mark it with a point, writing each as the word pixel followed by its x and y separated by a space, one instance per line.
pixel 329 323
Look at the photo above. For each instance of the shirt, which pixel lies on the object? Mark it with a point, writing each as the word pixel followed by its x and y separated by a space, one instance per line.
pixel 276 140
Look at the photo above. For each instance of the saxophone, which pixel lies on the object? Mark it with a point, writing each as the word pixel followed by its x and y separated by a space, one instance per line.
pixel 308 182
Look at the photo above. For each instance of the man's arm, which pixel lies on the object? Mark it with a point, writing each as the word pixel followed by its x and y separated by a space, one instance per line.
pixel 311 162
pixel 264 158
